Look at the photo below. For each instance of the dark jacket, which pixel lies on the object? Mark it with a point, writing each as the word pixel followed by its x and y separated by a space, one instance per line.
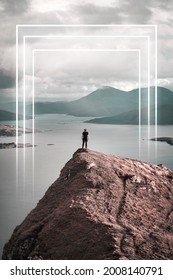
pixel 85 135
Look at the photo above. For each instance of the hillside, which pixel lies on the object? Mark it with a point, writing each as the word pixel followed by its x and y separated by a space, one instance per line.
pixel 50 107
pixel 105 102
pixel 102 102
pixel 9 116
pixel 102 207
pixel 110 105
pixel 164 117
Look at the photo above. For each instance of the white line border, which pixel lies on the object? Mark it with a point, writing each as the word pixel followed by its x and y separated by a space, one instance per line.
pixel 113 36
pixel 89 25
pixel 93 50
pixel 101 36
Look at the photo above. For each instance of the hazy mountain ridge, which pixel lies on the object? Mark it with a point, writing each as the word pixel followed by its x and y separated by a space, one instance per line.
pixel 114 106
pixel 6 116
pixel 10 116
pixel 107 102
pixel 164 117
pixel 102 102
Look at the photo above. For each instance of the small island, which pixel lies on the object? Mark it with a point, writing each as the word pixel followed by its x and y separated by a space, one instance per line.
pixel 168 140
pixel 10 130
pixel 7 130
pixel 13 145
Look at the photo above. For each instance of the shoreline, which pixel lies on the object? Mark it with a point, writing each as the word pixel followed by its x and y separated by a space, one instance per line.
pixel 7 130
pixel 13 145
pixel 168 140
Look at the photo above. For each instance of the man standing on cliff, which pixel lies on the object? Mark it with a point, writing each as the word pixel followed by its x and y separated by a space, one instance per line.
pixel 84 138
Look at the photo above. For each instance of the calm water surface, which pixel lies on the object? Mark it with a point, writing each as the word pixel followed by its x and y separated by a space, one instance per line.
pixel 37 168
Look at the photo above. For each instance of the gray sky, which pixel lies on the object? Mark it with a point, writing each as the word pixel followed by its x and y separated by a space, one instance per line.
pixel 73 74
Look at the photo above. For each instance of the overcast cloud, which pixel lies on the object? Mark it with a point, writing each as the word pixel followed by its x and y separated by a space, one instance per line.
pixel 15 7
pixel 71 75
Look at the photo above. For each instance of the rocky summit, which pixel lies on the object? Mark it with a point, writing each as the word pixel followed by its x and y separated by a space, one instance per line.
pixel 101 207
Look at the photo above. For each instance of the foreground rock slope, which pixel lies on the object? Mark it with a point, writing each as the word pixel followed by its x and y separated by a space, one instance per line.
pixel 101 207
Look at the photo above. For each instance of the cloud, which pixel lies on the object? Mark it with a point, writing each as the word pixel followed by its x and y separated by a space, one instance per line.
pixel 89 13
pixel 14 7
pixel 126 11
pixel 163 4
pixel 119 12
pixel 79 73
pixel 77 76
pixel 136 12
pixel 6 81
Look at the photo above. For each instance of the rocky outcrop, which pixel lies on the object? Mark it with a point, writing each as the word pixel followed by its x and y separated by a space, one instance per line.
pixel 168 140
pixel 101 207
pixel 7 145
pixel 10 130
pixel 13 145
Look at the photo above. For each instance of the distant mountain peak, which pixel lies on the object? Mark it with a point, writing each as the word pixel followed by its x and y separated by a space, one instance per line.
pixel 107 87
pixel 106 101
pixel 106 90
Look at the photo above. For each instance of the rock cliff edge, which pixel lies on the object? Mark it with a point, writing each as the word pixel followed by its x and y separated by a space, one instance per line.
pixel 101 207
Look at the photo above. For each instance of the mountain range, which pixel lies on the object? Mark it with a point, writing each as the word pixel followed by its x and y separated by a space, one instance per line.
pixel 109 105
pixel 131 115
pixel 11 116
pixel 164 117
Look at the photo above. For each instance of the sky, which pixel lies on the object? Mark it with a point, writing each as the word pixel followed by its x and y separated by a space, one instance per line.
pixel 71 67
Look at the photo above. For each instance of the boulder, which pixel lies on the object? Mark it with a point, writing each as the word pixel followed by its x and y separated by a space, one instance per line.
pixel 102 207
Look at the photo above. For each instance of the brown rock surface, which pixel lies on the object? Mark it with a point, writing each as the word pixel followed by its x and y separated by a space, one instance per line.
pixel 101 207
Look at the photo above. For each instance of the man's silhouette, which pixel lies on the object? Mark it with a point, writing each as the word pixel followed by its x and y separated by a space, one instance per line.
pixel 84 138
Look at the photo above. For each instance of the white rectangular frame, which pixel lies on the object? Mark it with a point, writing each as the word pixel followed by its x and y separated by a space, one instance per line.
pixel 17 79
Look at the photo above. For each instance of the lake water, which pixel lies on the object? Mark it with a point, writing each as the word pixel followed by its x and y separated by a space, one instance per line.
pixel 37 168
